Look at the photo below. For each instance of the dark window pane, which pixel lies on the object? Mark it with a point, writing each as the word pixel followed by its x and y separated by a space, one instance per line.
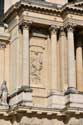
pixel 1 7
pixel 72 0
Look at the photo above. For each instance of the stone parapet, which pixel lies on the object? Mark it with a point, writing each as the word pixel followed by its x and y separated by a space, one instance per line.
pixel 67 104
pixel 23 96
pixel 59 103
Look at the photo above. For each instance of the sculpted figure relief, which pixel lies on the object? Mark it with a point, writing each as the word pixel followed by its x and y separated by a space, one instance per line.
pixel 3 93
pixel 36 66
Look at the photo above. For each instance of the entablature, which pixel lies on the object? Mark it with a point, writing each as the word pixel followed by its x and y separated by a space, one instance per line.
pixel 47 9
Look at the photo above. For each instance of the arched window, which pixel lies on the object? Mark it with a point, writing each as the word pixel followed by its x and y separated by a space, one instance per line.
pixel 1 7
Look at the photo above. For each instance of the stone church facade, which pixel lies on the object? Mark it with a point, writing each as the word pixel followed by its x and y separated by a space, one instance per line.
pixel 41 62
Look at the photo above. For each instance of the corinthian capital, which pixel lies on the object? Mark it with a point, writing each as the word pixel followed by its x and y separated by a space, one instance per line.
pixel 70 27
pixel 2 45
pixel 25 24
pixel 62 31
pixel 54 28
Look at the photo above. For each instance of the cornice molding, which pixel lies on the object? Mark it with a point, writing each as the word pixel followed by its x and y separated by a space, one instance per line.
pixel 78 3
pixel 39 8
pixel 43 8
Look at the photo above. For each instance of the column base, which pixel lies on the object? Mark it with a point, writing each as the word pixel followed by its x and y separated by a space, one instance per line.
pixel 71 90
pixel 55 92
pixel 56 100
pixel 4 107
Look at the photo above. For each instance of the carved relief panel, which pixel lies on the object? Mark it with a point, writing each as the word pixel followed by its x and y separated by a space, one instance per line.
pixel 36 65
pixel 38 59
pixel 37 53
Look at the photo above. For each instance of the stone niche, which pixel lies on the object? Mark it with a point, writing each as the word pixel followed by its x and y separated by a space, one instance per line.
pixel 62 2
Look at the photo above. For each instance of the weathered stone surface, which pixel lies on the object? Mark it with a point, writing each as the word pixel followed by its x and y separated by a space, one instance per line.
pixel 39 59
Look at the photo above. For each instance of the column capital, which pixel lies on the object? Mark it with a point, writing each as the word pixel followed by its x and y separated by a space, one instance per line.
pixel 71 61
pixel 26 53
pixel 24 24
pixel 2 45
pixel 62 31
pixel 53 28
pixel 70 27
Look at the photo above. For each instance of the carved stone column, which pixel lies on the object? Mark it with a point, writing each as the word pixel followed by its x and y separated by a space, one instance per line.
pixel 24 92
pixel 62 57
pixel 54 79
pixel 71 61
pixel 79 65
pixel 2 61
pixel 26 54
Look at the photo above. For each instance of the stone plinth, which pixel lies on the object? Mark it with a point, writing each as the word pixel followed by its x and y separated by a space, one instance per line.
pixel 57 100
pixel 23 96
pixel 4 107
pixel 75 102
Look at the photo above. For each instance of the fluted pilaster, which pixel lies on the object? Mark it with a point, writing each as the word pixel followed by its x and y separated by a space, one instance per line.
pixel 2 61
pixel 26 54
pixel 63 61
pixel 79 65
pixel 54 66
pixel 71 61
